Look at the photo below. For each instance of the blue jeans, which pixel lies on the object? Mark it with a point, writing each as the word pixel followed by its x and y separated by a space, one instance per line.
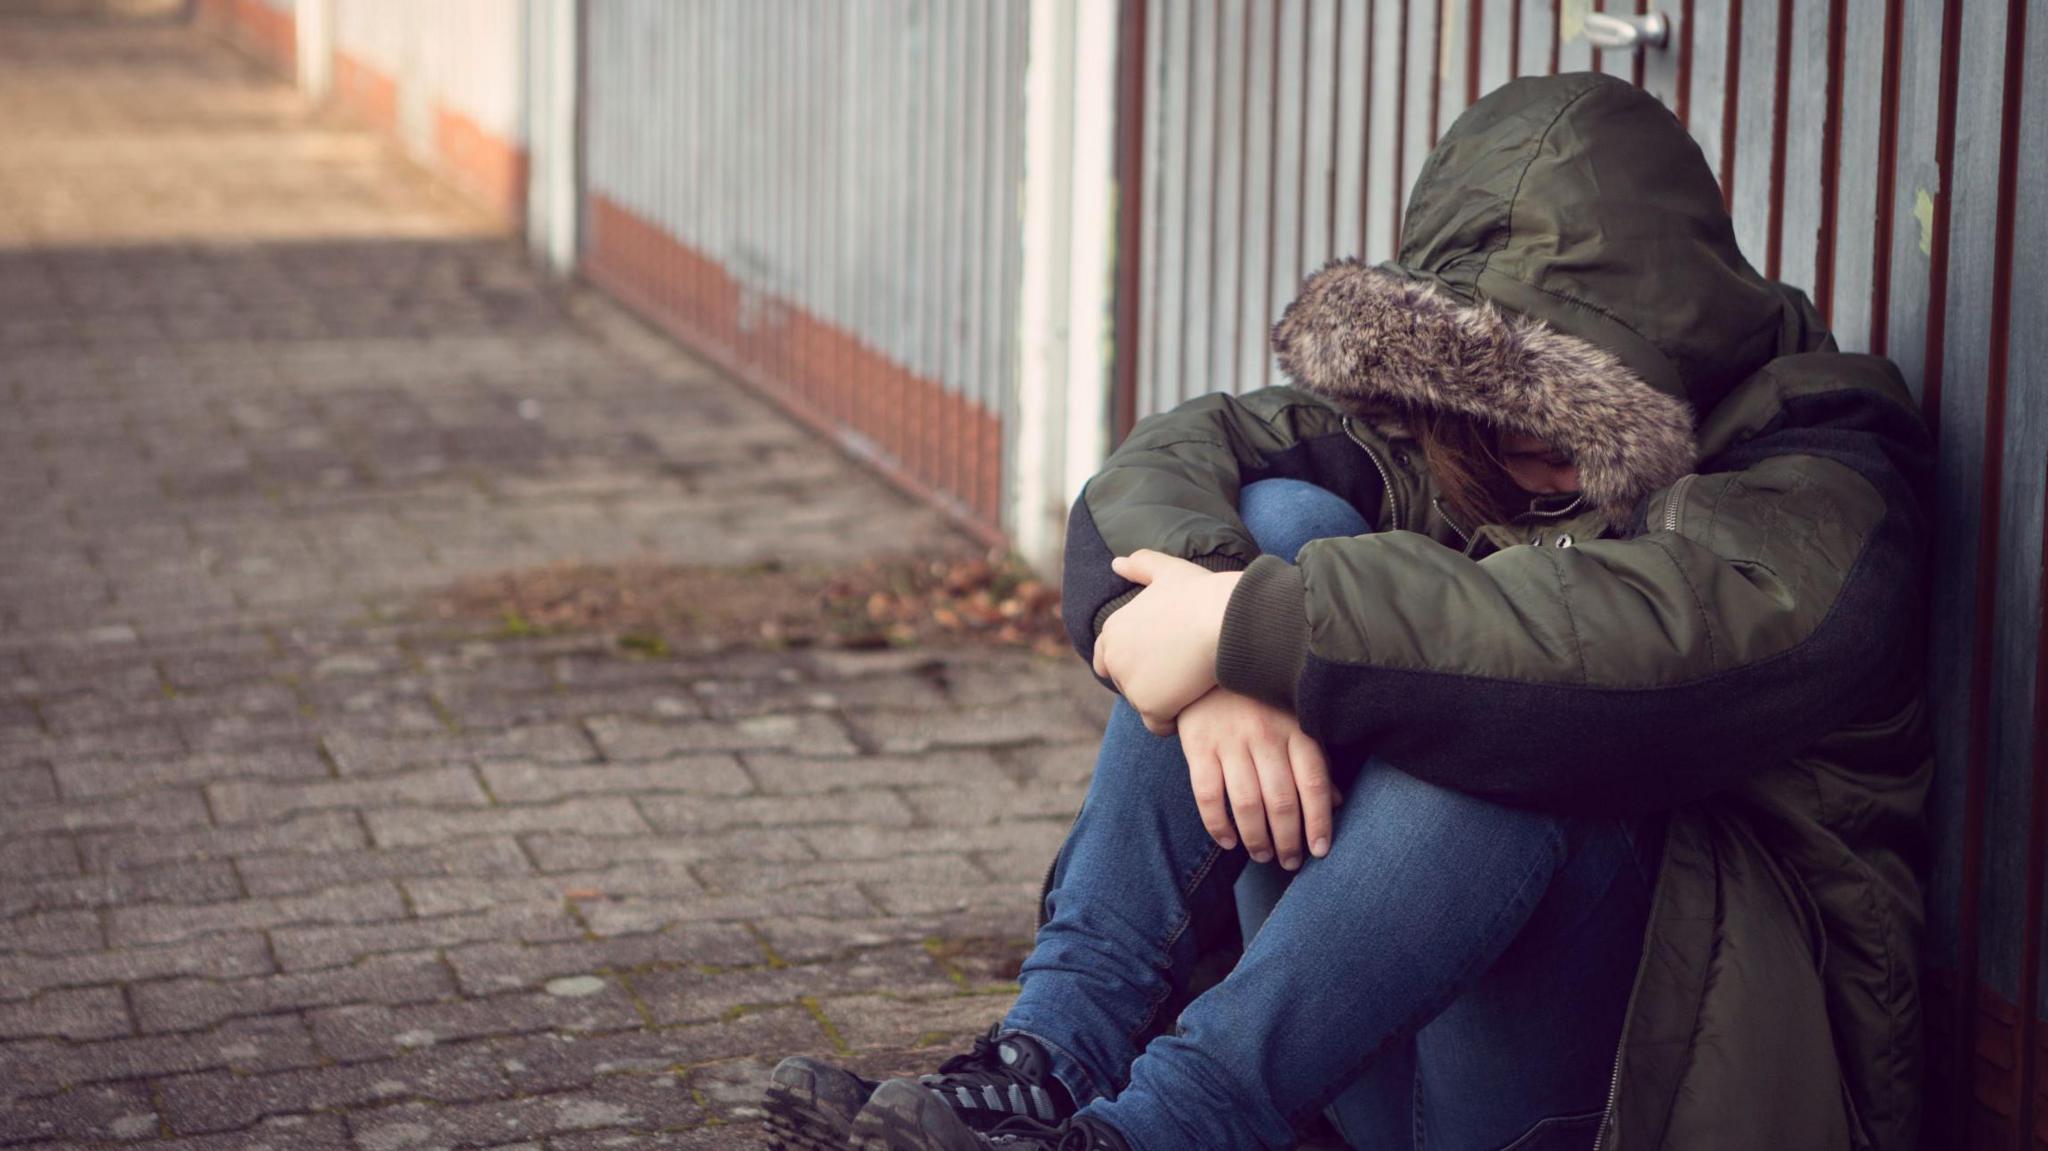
pixel 1452 975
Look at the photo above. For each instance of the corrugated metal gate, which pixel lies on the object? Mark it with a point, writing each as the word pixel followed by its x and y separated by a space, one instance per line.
pixel 1889 156
pixel 824 196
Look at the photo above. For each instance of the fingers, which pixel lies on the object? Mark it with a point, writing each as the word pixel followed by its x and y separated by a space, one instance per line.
pixel 1283 804
pixel 1312 782
pixel 1140 566
pixel 1205 776
pixel 1247 801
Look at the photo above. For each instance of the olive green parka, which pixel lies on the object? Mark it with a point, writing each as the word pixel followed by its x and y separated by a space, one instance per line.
pixel 1726 624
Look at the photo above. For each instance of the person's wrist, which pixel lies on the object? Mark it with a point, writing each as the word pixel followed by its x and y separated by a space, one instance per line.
pixel 1220 587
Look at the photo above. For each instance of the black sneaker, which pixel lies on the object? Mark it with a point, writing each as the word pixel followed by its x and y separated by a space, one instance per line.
pixel 811 1104
pixel 1001 1077
pixel 905 1115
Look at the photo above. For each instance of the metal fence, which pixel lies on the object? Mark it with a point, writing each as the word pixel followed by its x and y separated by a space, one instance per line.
pixel 825 197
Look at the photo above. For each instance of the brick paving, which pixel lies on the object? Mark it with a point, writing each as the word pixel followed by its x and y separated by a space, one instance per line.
pixel 284 864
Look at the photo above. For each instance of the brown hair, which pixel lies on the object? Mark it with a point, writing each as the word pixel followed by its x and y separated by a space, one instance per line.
pixel 1463 456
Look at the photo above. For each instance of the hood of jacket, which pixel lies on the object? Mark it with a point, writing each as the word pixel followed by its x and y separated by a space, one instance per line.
pixel 1567 269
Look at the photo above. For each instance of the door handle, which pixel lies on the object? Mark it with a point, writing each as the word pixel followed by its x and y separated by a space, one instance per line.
pixel 1609 32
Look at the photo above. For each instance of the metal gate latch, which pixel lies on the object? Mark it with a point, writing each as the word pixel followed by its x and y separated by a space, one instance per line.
pixel 1632 33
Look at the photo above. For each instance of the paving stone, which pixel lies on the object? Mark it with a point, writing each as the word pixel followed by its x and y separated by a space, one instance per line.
pixel 363 903
pixel 807 734
pixel 739 699
pixel 714 1133
pixel 940 1024
pixel 312 832
pixel 677 814
pixel 74 1013
pixel 404 827
pixel 635 916
pixel 33 783
pixel 107 776
pixel 217 957
pixel 449 896
pixel 629 1102
pixel 1014 849
pixel 34 1067
pixel 357 752
pixel 974 807
pixel 806 938
pixel 914 896
pixel 284 874
pixel 739 876
pixel 579 853
pixel 157 810
pixel 38 857
pixel 490 967
pixel 544 1063
pixel 109 1112
pixel 792 775
pixel 51 933
pixel 193 881
pixel 1022 722
pixel 370 1031
pixel 310 948
pixel 223 1101
pixel 516 782
pixel 242 802
pixel 189 1004
pixel 681 996
pixel 284 1133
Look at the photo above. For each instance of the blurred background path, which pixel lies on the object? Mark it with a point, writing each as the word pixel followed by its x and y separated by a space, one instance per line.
pixel 287 858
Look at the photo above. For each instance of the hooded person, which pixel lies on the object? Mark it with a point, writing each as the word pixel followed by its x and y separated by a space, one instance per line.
pixel 1631 844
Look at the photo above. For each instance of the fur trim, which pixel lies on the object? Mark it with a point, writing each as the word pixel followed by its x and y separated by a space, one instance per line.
pixel 1361 335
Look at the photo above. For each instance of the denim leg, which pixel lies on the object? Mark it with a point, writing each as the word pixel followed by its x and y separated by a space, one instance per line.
pixel 1423 890
pixel 1283 517
pixel 1138 868
pixel 1531 1044
pixel 1135 872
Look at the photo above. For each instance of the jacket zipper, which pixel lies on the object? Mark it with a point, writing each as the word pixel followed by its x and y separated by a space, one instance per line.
pixel 1455 529
pixel 1613 1089
pixel 1628 1012
pixel 1386 477
pixel 1674 502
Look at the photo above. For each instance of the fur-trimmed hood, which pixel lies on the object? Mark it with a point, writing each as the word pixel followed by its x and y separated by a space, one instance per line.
pixel 1357 334
pixel 1567 269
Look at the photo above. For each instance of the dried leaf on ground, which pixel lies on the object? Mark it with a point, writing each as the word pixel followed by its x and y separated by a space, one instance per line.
pixel 654 608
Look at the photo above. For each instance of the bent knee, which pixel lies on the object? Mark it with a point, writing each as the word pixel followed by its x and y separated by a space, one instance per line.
pixel 1283 515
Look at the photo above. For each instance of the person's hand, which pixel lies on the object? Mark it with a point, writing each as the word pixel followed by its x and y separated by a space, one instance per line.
pixel 1160 648
pixel 1251 762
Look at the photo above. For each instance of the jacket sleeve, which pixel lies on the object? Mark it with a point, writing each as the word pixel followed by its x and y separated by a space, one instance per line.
pixel 1173 486
pixel 1758 609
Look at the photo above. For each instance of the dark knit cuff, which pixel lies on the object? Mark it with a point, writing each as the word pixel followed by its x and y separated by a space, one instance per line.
pixel 1214 561
pixel 1264 642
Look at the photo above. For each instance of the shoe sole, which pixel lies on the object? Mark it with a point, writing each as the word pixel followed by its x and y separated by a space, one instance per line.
pixel 901 1116
pixel 796 1122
